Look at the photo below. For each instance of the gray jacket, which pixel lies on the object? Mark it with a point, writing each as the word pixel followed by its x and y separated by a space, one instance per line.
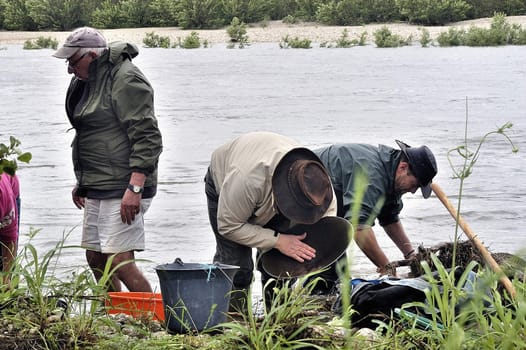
pixel 345 163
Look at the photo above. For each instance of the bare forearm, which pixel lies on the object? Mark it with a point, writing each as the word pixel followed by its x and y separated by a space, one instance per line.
pixel 137 179
pixel 366 241
pixel 396 232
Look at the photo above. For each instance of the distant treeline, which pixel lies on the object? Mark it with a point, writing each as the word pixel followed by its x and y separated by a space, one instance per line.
pixel 200 14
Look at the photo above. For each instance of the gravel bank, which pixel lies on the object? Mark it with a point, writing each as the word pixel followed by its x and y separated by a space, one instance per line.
pixel 272 31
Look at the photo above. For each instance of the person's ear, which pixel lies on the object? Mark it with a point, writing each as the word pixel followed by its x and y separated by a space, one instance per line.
pixel 403 166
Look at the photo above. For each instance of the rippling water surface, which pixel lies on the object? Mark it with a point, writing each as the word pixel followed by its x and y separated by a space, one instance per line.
pixel 205 97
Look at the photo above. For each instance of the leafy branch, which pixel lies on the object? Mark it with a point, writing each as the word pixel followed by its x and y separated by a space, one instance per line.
pixel 10 154
pixel 470 158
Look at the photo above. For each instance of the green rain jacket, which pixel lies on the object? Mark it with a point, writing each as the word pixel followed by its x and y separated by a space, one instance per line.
pixel 116 129
pixel 345 162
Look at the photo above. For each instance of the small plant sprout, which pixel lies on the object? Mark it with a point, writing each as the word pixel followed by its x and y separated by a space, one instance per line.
pixel 10 154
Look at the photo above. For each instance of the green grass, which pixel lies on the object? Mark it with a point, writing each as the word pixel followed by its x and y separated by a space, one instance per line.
pixel 30 316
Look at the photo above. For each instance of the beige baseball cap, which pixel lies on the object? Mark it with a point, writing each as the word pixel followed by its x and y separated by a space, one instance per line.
pixel 81 37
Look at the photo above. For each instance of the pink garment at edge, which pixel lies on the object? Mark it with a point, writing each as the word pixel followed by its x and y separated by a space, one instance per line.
pixel 9 192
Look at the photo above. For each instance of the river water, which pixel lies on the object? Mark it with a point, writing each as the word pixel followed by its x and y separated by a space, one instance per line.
pixel 205 97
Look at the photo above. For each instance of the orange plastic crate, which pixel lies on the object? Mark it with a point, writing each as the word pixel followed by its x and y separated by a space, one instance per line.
pixel 136 304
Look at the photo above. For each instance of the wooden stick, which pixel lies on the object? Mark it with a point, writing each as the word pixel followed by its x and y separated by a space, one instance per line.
pixel 478 244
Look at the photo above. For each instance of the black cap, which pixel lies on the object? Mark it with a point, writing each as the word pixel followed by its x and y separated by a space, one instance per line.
pixel 422 163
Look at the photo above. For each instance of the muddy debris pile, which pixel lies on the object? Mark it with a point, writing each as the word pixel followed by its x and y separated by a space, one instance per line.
pixel 512 265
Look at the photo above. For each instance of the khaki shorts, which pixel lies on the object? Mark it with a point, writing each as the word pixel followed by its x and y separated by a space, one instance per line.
pixel 103 230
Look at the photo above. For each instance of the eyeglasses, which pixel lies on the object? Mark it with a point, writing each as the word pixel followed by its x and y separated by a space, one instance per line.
pixel 73 65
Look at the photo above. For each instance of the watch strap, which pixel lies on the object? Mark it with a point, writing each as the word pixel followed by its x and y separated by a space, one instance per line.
pixel 135 188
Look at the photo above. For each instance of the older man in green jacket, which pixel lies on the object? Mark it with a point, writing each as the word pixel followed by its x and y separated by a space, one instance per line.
pixel 116 150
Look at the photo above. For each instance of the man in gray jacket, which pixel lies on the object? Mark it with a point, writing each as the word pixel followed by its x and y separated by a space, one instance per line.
pixel 116 151
pixel 374 178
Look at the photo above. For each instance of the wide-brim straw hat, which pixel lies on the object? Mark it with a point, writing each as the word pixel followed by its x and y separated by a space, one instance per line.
pixel 330 237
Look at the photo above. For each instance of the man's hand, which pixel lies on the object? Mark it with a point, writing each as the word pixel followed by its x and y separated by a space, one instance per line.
pixel 130 206
pixel 131 202
pixel 292 246
pixel 388 269
pixel 77 200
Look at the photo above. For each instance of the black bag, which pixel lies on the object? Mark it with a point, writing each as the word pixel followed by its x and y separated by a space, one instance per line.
pixel 376 300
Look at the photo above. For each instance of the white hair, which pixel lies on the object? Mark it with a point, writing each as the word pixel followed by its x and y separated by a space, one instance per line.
pixel 97 50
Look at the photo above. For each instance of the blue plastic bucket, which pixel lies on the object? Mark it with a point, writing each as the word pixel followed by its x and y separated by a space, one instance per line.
pixel 195 296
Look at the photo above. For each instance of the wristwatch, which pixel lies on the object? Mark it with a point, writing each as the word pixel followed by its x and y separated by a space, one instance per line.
pixel 135 188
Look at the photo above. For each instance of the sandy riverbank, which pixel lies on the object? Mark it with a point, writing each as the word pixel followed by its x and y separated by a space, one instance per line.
pixel 272 31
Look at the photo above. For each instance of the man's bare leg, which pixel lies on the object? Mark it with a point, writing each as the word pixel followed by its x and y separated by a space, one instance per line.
pixel 97 262
pixel 129 273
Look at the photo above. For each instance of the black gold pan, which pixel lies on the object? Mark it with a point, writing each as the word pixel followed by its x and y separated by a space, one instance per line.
pixel 329 236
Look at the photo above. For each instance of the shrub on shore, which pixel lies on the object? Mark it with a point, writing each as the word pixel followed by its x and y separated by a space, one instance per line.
pixel 345 42
pixel 41 43
pixel 383 37
pixel 191 41
pixel 499 33
pixel 425 38
pixel 294 43
pixel 155 40
pixel 237 31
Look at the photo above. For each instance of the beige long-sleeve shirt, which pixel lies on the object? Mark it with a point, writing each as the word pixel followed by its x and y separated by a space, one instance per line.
pixel 242 172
